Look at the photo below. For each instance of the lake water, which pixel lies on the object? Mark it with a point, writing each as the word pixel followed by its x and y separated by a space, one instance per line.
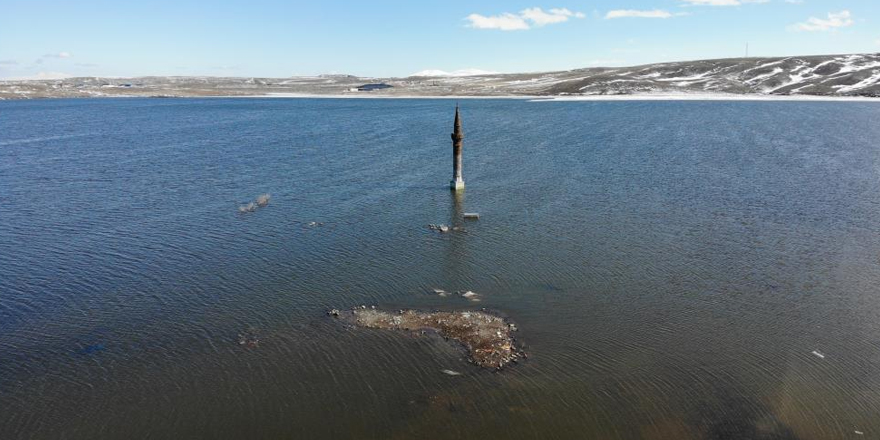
pixel 671 266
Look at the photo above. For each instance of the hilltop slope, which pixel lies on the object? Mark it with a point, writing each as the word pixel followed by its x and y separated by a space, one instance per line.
pixel 828 75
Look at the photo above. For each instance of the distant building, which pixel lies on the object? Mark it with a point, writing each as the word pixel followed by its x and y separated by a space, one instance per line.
pixel 371 87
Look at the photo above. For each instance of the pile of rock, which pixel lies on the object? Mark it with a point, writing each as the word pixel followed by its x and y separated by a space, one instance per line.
pixel 486 337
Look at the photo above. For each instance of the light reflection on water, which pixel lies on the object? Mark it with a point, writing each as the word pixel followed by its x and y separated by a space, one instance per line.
pixel 671 266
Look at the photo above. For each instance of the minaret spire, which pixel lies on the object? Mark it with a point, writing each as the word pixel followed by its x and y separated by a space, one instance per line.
pixel 457 182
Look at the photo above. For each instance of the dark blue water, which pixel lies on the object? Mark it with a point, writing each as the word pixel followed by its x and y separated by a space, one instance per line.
pixel 671 266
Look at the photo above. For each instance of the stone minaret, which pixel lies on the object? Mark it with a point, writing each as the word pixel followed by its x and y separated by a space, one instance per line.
pixel 457 182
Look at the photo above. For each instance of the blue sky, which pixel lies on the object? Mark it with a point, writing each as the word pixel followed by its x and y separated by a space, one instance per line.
pixel 398 38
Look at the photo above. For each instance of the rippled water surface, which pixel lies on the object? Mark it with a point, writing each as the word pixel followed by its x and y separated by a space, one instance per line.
pixel 671 266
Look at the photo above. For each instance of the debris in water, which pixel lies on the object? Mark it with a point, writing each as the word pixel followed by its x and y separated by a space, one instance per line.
pixel 860 433
pixel 451 373
pixel 250 207
pixel 471 216
pixel 818 355
pixel 486 337
pixel 249 338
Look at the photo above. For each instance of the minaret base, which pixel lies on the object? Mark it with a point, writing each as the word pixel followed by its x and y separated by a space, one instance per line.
pixel 456 185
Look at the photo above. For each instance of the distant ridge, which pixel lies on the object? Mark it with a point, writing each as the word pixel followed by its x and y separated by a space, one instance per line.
pixel 855 75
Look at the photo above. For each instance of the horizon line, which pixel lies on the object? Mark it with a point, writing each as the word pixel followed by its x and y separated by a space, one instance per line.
pixel 21 79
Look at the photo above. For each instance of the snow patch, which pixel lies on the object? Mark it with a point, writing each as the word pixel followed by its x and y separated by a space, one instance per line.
pixel 868 82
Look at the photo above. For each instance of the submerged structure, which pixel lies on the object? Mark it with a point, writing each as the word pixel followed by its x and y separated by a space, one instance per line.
pixel 457 182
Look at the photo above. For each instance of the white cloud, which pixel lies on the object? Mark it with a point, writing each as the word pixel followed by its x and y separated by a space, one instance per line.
pixel 712 2
pixel 794 2
pixel 58 55
pixel 564 11
pixel 8 63
pixel 835 20
pixel 541 18
pixel 555 15
pixel 524 20
pixel 504 22
pixel 624 13
pixel 721 2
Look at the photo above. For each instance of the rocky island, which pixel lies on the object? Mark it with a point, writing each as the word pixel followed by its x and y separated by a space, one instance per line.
pixel 486 337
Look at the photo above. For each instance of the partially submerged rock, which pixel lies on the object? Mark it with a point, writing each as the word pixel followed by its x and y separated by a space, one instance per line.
pixel 445 228
pixel 466 294
pixel 486 337
pixel 469 295
pixel 439 228
pixel 261 202
pixel 249 338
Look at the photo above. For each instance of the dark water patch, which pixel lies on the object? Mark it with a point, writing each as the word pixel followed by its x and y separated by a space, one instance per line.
pixel 91 349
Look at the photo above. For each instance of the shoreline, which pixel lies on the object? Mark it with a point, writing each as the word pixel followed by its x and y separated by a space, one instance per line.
pixel 529 98
pixel 573 98
pixel 366 96
pixel 707 97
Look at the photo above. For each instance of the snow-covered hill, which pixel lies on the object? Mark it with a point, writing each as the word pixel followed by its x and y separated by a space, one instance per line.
pixel 839 76
pixel 846 75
